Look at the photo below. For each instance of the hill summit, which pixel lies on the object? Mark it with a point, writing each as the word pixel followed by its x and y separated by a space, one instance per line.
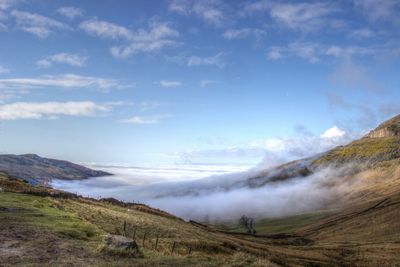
pixel 389 128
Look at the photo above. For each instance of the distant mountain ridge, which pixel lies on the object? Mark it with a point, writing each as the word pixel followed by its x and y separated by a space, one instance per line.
pixel 38 170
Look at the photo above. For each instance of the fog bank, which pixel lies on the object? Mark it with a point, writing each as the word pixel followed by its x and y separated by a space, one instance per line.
pixel 220 197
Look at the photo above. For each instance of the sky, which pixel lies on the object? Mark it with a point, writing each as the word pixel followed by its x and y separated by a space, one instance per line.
pixel 194 82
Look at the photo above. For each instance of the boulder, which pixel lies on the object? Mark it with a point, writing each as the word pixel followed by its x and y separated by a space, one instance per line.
pixel 120 242
pixel 121 246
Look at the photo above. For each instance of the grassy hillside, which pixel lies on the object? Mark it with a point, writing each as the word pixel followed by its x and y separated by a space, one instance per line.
pixel 365 150
pixel 40 226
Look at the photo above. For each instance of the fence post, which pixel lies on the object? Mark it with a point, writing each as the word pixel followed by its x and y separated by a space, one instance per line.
pixel 144 238
pixel 155 247
pixel 124 228
pixel 134 233
pixel 173 248
pixel 190 250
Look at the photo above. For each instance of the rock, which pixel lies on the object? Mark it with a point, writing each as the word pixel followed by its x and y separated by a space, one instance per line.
pixel 121 246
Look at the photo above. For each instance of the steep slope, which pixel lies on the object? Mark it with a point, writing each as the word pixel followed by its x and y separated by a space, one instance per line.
pixel 35 169
pixel 389 128
pixel 380 147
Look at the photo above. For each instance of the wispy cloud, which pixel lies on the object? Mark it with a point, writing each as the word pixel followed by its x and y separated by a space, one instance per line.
pixel 63 81
pixel 274 53
pixel 313 52
pixel 362 33
pixel 62 58
pixel 169 83
pixel 154 119
pixel 4 70
pixel 5 4
pixel 70 12
pixel 241 33
pixel 36 24
pixel 305 17
pixel 216 60
pixel 213 12
pixel 49 110
pixel 158 36
pixel 105 30
pixel 375 10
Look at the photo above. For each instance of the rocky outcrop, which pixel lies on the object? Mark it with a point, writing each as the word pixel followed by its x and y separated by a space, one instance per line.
pixel 389 128
pixel 380 133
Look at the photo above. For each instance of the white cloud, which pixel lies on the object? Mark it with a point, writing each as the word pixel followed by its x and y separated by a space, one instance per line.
pixel 273 150
pixel 155 119
pixel 216 60
pixel 49 110
pixel 62 58
pixel 375 10
pixel 313 52
pixel 210 11
pixel 306 17
pixel 154 46
pixel 307 51
pixel 169 84
pixel 5 4
pixel 303 16
pixel 362 33
pixel 70 12
pixel 36 24
pixel 105 30
pixel 304 146
pixel 158 36
pixel 4 70
pixel 64 81
pixel 232 34
pixel 274 53
pixel 333 132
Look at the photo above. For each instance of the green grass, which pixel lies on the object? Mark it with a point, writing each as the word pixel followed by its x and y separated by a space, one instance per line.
pixel 371 150
pixel 48 214
pixel 288 224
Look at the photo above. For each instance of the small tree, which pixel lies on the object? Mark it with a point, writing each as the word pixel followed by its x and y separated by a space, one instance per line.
pixel 247 223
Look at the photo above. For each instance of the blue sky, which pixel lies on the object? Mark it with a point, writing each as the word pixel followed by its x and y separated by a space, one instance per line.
pixel 200 82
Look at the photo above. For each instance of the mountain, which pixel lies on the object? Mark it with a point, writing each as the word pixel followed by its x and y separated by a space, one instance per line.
pixel 378 148
pixel 38 170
